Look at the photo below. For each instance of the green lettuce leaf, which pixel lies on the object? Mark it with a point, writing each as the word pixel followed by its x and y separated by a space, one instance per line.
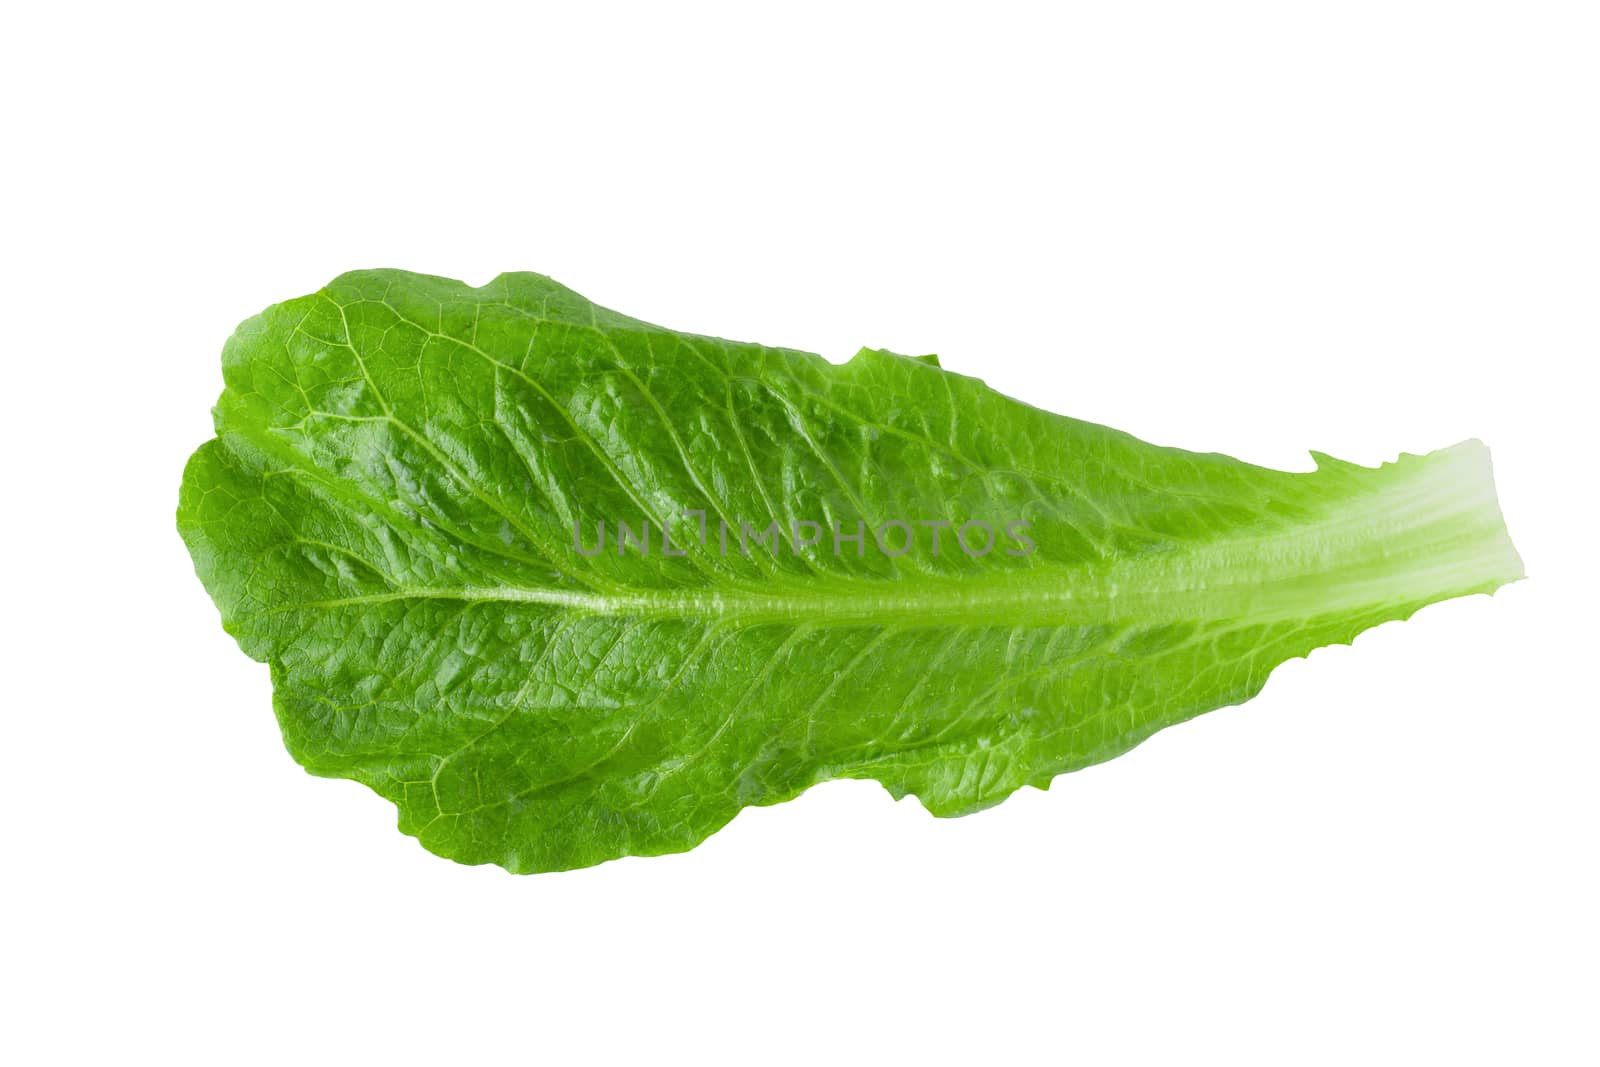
pixel 401 514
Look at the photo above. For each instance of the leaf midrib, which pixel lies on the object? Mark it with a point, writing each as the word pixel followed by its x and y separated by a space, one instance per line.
pixel 1169 588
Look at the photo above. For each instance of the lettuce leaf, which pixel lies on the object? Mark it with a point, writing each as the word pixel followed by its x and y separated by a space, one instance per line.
pixel 402 513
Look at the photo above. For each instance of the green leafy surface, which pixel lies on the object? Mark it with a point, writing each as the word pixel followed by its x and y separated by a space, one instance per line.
pixel 387 514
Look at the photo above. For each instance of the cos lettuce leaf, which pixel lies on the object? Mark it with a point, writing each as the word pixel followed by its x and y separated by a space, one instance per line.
pixel 402 514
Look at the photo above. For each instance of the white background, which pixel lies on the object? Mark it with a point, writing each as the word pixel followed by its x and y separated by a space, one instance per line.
pixel 1252 228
